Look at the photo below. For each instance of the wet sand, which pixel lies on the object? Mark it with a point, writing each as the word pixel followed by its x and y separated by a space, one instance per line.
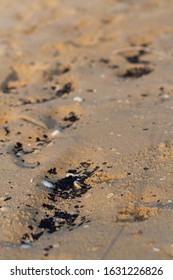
pixel 86 129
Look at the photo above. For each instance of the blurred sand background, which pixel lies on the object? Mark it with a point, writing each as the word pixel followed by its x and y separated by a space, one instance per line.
pixel 86 96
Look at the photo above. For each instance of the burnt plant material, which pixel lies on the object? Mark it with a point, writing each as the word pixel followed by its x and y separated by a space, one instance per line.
pixel 48 206
pixel 58 70
pixel 71 118
pixel 133 59
pixel 31 237
pixel 5 84
pixel 7 198
pixel 18 152
pixel 36 236
pixel 18 147
pixel 52 171
pixel 85 164
pixel 49 224
pixel 7 130
pixel 67 88
pixel 104 60
pixel 64 187
pixel 136 72
pixel 57 220
pixel 136 58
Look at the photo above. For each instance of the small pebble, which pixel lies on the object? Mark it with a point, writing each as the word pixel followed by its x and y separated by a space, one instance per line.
pixel 31 180
pixel 55 132
pixel 78 99
pixel 4 208
pixel 109 195
pixel 156 249
pixel 48 184
pixel 86 226
pixel 19 154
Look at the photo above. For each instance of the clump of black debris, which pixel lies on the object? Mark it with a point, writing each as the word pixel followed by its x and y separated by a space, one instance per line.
pixel 67 190
pixel 66 89
pixel 69 120
pixel 72 185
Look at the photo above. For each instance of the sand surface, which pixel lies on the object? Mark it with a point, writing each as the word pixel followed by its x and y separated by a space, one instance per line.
pixel 86 129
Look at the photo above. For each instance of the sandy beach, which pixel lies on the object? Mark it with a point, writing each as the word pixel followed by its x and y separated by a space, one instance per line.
pixel 86 129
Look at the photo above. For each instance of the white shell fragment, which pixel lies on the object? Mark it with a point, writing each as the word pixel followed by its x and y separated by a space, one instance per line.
pixel 48 184
pixel 86 226
pixel 77 185
pixel 109 195
pixel 156 249
pixel 78 99
pixel 70 174
pixel 164 178
pixel 55 133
